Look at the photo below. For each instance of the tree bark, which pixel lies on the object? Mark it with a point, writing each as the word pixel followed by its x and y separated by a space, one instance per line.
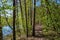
pixel 26 17
pixel 33 34
pixel 0 29
pixel 14 16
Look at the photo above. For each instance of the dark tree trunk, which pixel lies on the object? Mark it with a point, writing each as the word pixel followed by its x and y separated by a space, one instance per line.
pixel 14 16
pixel 0 29
pixel 33 34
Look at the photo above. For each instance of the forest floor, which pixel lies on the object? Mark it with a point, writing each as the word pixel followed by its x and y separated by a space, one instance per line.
pixel 38 30
pixel 33 38
pixel 27 38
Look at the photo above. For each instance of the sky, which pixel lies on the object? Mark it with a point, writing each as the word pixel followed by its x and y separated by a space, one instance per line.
pixel 58 1
pixel 6 30
pixel 38 3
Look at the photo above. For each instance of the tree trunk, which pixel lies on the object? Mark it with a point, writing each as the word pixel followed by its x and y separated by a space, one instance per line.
pixel 33 34
pixel 14 16
pixel 26 18
pixel 0 29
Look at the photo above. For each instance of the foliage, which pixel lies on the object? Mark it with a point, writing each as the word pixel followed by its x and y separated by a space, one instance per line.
pixel 47 14
pixel 50 21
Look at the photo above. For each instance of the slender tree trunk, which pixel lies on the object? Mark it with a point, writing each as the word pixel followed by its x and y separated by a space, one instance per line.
pixel 29 20
pixel 14 16
pixel 17 19
pixel 31 15
pixel 8 22
pixel 22 17
pixel 34 18
pixel 26 17
pixel 0 29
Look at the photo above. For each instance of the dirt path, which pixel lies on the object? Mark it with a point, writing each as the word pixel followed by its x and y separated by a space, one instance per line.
pixel 35 38
pixel 32 38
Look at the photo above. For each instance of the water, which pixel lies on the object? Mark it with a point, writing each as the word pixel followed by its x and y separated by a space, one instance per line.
pixel 6 30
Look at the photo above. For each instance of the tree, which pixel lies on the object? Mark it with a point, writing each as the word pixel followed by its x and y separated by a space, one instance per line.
pixel 34 18
pixel 14 16
pixel 0 29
